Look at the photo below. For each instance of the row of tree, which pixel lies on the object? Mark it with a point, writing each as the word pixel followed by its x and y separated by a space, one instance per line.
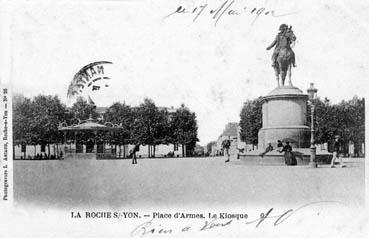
pixel 36 121
pixel 346 118
pixel 152 126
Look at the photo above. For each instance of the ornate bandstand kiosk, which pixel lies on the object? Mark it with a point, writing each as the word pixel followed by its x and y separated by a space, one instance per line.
pixel 87 139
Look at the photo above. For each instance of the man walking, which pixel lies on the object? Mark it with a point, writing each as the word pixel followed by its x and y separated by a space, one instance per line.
pixel 336 152
pixel 133 153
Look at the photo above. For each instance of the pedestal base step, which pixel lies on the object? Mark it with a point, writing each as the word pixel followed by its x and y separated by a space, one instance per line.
pixel 276 158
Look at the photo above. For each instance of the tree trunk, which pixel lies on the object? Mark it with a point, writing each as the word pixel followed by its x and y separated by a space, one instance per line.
pixel 124 150
pixel 25 149
pixel 357 149
pixel 34 154
pixel 183 152
pixel 154 151
pixel 48 150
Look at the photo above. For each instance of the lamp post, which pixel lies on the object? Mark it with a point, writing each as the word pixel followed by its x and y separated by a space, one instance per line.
pixel 312 95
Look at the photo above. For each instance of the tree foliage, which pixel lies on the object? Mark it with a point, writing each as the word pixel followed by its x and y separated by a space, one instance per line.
pixel 36 121
pixel 183 126
pixel 22 119
pixel 82 110
pixel 122 115
pixel 251 121
pixel 48 112
pixel 346 119
pixel 145 122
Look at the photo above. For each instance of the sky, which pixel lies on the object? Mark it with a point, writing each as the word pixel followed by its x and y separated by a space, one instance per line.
pixel 212 69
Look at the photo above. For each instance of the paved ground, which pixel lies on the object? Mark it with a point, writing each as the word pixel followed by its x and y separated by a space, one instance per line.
pixel 185 181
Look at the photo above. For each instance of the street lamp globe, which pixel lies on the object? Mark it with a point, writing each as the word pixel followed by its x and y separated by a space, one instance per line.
pixel 312 91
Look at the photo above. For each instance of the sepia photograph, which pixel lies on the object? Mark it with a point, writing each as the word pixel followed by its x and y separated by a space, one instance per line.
pixel 218 118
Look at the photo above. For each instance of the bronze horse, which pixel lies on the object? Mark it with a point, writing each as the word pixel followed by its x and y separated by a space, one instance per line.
pixel 283 56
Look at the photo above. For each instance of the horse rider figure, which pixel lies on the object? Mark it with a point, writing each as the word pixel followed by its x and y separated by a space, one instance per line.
pixel 282 41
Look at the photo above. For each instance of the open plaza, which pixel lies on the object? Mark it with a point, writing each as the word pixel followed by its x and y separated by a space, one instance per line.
pixel 182 182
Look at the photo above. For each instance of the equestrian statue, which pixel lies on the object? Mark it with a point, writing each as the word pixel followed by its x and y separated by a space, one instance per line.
pixel 283 57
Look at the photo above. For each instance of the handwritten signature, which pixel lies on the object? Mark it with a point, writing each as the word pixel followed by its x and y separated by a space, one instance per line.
pixel 148 227
pixel 226 8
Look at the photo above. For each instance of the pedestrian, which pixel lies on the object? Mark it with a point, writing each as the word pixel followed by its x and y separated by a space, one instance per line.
pixel 133 153
pixel 289 158
pixel 225 146
pixel 336 152
pixel 268 149
pixel 279 145
pixel 240 150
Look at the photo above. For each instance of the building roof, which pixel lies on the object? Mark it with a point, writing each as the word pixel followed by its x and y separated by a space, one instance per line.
pixel 89 124
pixel 231 129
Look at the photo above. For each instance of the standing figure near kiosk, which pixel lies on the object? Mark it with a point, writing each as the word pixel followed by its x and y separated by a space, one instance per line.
pixel 133 153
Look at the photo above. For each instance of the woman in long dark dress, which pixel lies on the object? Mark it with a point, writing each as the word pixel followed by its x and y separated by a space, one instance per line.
pixel 289 158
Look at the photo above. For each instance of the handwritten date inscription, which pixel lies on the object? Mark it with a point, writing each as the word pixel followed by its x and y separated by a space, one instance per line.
pixel 227 8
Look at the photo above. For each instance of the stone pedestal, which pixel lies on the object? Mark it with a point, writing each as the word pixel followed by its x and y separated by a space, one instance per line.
pixel 284 118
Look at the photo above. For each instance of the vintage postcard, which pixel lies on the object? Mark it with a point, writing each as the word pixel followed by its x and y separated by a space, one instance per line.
pixel 183 118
